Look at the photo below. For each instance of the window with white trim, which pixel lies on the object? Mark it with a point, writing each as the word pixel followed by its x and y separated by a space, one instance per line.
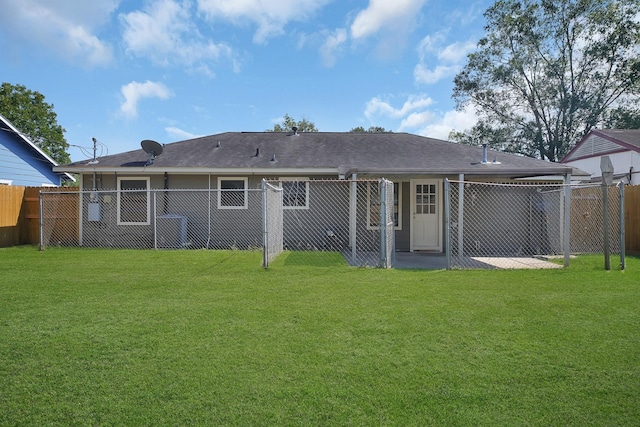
pixel 232 193
pixel 134 207
pixel 373 206
pixel 295 192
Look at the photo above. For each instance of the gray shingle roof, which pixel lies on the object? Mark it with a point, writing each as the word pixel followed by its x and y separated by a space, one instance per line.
pixel 625 136
pixel 383 153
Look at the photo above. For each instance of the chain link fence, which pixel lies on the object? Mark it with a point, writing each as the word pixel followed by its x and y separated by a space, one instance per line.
pixel 509 225
pixel 354 218
pixel 153 219
pixel 350 217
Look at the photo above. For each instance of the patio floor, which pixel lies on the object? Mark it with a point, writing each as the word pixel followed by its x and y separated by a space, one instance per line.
pixel 431 261
pixel 438 261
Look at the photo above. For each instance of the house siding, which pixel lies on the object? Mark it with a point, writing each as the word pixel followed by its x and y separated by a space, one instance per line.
pixel 189 196
pixel 20 165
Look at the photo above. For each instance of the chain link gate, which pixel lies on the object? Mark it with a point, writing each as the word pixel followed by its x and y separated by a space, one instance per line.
pixel 354 218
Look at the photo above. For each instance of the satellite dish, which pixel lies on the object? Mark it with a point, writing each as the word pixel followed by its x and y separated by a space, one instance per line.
pixel 152 148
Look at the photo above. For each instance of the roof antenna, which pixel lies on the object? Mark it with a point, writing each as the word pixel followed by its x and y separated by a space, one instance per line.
pixel 94 161
pixel 153 150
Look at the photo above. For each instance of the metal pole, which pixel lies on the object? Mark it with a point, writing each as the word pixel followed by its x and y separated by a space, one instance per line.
pixel 606 226
pixel 461 219
pixel 567 219
pixel 622 231
pixel 447 221
pixel 383 222
pixel 265 248
pixel 352 216
pixel 41 224
pixel 155 222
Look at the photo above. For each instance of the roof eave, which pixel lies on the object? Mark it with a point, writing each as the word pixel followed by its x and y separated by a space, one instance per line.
pixel 196 171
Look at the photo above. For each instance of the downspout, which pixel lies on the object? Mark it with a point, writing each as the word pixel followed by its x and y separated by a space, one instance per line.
pixel 166 193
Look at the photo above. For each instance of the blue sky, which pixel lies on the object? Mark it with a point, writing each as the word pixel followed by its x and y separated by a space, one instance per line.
pixel 122 71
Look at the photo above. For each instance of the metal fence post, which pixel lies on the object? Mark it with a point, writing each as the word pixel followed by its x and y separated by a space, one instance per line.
pixel 447 222
pixel 265 235
pixel 567 219
pixel 155 216
pixel 383 222
pixel 461 220
pixel 41 223
pixel 353 209
pixel 606 227
pixel 622 232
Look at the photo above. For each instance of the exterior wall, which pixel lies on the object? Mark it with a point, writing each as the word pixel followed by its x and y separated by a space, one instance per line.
pixel 325 222
pixel 403 236
pixel 20 165
pixel 622 163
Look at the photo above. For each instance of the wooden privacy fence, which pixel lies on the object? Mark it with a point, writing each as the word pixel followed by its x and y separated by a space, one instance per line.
pixel 632 218
pixel 20 214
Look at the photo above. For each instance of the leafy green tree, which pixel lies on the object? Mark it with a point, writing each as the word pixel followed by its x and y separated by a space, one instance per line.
pixel 288 123
pixel 548 71
pixel 372 129
pixel 622 119
pixel 29 112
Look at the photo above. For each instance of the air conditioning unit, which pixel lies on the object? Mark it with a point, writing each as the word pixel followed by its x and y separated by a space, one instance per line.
pixel 171 231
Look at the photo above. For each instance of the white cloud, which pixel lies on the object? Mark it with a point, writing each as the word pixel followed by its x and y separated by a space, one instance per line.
pixel 415 116
pixel 452 120
pixel 332 45
pixel 417 120
pixel 377 107
pixel 380 15
pixel 270 16
pixel 64 27
pixel 165 33
pixel 448 59
pixel 179 134
pixel 423 75
pixel 456 52
pixel 135 91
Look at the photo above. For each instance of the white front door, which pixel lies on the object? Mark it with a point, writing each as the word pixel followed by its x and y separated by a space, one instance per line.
pixel 426 215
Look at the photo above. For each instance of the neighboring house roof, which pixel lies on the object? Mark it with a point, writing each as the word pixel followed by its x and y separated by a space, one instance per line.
pixel 601 142
pixel 322 152
pixel 26 163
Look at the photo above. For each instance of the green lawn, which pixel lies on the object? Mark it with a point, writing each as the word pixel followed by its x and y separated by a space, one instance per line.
pixel 118 337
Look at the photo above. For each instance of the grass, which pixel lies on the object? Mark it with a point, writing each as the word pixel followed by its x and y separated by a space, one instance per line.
pixel 117 337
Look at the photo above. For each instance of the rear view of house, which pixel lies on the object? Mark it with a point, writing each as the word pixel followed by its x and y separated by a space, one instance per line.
pixel 133 195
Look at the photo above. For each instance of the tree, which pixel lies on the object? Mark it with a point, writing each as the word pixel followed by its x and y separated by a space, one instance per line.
pixel 548 71
pixel 622 119
pixel 29 112
pixel 288 123
pixel 372 129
